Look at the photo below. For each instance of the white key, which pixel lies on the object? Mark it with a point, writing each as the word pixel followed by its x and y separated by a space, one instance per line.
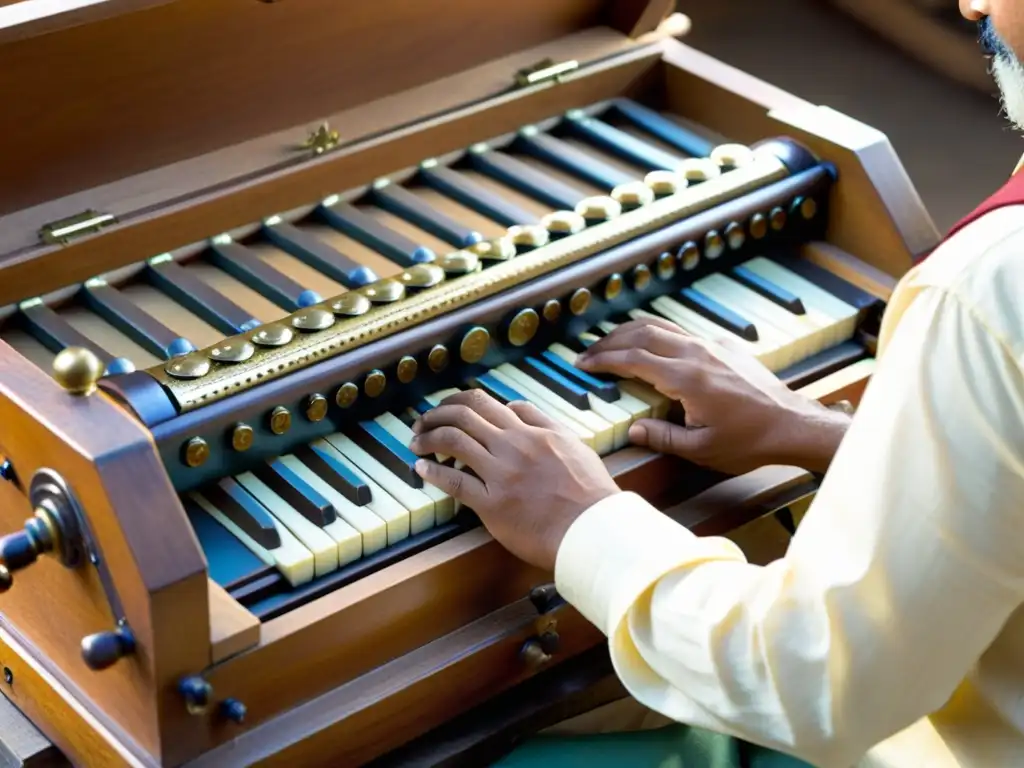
pixel 636 408
pixel 435 400
pixel 371 530
pixel 420 506
pixel 323 547
pixel 294 561
pixel 585 434
pixel 604 432
pixel 812 297
pixel 658 403
pixel 396 517
pixel 444 505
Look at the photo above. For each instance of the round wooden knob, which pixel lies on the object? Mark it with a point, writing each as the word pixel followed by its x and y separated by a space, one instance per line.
pixel 77 370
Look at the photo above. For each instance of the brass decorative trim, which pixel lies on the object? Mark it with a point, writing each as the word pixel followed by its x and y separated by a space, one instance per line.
pixel 269 363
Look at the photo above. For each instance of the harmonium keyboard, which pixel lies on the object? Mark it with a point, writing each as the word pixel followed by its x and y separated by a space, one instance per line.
pixel 244 246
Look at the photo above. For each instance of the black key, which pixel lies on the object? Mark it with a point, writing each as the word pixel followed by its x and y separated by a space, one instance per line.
pixel 227 558
pixel 828 281
pixel 597 386
pixel 138 325
pixel 249 269
pixel 199 298
pixel 496 389
pixel 474 196
pixel 401 202
pixel 290 486
pixel 336 474
pixel 239 506
pixel 381 445
pixel 580 344
pixel 668 131
pixel 822 364
pixel 718 313
pixel 621 143
pixel 769 290
pixel 422 406
pixel 567 157
pixel 367 230
pixel 546 375
pixel 522 177
pixel 319 255
pixel 56 334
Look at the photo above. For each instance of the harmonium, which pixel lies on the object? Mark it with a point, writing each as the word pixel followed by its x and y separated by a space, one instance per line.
pixel 243 244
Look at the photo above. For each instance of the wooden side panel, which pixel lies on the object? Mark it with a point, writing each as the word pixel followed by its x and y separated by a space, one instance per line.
pixel 111 464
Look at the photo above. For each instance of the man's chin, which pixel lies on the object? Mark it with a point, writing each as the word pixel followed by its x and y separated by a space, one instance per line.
pixel 1009 75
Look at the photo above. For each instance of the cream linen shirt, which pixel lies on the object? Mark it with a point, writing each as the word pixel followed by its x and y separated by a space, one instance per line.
pixel 892 632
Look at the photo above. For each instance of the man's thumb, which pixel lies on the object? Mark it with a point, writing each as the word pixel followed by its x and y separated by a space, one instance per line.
pixel 665 437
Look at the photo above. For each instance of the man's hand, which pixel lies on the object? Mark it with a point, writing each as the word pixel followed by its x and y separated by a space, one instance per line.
pixel 739 416
pixel 533 477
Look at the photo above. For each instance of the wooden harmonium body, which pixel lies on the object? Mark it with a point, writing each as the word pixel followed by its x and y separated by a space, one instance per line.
pixel 242 566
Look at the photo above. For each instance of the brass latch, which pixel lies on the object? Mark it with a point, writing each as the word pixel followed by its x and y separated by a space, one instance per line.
pixel 65 230
pixel 544 72
pixel 321 140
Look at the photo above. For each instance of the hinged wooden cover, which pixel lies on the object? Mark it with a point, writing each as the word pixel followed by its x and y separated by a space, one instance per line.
pixel 104 90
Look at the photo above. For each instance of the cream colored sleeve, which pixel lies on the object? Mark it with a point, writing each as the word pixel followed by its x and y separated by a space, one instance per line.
pixel 903 571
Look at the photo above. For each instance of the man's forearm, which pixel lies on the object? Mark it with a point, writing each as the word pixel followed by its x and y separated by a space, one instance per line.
pixel 816 439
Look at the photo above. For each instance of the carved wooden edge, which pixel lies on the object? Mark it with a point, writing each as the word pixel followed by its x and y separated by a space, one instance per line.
pixel 29 18
pixel 233 629
pixel 877 214
pixel 111 464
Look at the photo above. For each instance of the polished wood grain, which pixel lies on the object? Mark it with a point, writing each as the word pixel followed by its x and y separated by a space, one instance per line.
pixel 850 268
pixel 232 628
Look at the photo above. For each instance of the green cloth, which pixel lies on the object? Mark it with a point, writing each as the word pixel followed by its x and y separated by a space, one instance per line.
pixel 673 746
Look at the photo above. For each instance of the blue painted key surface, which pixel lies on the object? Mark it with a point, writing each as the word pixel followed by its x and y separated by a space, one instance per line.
pixel 476 197
pixel 56 334
pixel 131 320
pixel 227 558
pixel 622 143
pixel 827 281
pixel 382 445
pixel 718 313
pixel 362 227
pixel 567 157
pixel 199 298
pixel 403 203
pixel 496 389
pixel 249 269
pixel 518 175
pixel 547 376
pixel 665 129
pixel 602 388
pixel 423 406
pixel 291 487
pixel 336 474
pixel 310 249
pixel 769 290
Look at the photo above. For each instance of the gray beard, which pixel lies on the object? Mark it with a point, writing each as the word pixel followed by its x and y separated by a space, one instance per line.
pixel 1009 76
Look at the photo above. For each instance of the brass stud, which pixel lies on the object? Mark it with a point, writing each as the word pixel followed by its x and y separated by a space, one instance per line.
pixel 383 291
pixel 346 395
pixel 613 286
pixel 77 370
pixel 192 366
pixel 407 368
pixel 422 276
pixel 232 351
pixel 714 245
pixel 579 302
pixel 552 310
pixel 666 266
pixel 633 194
pixel 242 437
pixel 375 383
pixel 351 304
pixel 563 223
pixel 698 169
pixel 523 327
pixel 459 263
pixel 474 345
pixel 664 183
pixel 437 358
pixel 273 335
pixel 598 208
pixel 777 218
pixel 498 249
pixel 280 420
pixel 735 237
pixel 758 226
pixel 641 276
pixel 731 156
pixel 197 451
pixel 689 255
pixel 313 319
pixel 526 237
pixel 807 207
pixel 316 407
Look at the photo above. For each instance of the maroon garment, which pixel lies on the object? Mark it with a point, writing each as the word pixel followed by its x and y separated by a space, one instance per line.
pixel 1012 193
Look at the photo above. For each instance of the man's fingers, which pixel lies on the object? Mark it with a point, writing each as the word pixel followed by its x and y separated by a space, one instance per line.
pixel 480 402
pixel 641 335
pixel 463 418
pixel 665 437
pixel 461 486
pixel 452 441
pixel 530 414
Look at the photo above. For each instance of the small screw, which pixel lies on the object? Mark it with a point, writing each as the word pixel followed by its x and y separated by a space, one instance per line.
pixel 8 676
pixel 6 470
pixel 233 710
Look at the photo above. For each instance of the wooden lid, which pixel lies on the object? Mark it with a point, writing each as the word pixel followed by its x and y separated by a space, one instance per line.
pixel 99 91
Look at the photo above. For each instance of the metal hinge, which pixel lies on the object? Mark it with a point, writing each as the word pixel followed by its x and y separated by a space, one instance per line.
pixel 545 71
pixel 321 140
pixel 84 223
